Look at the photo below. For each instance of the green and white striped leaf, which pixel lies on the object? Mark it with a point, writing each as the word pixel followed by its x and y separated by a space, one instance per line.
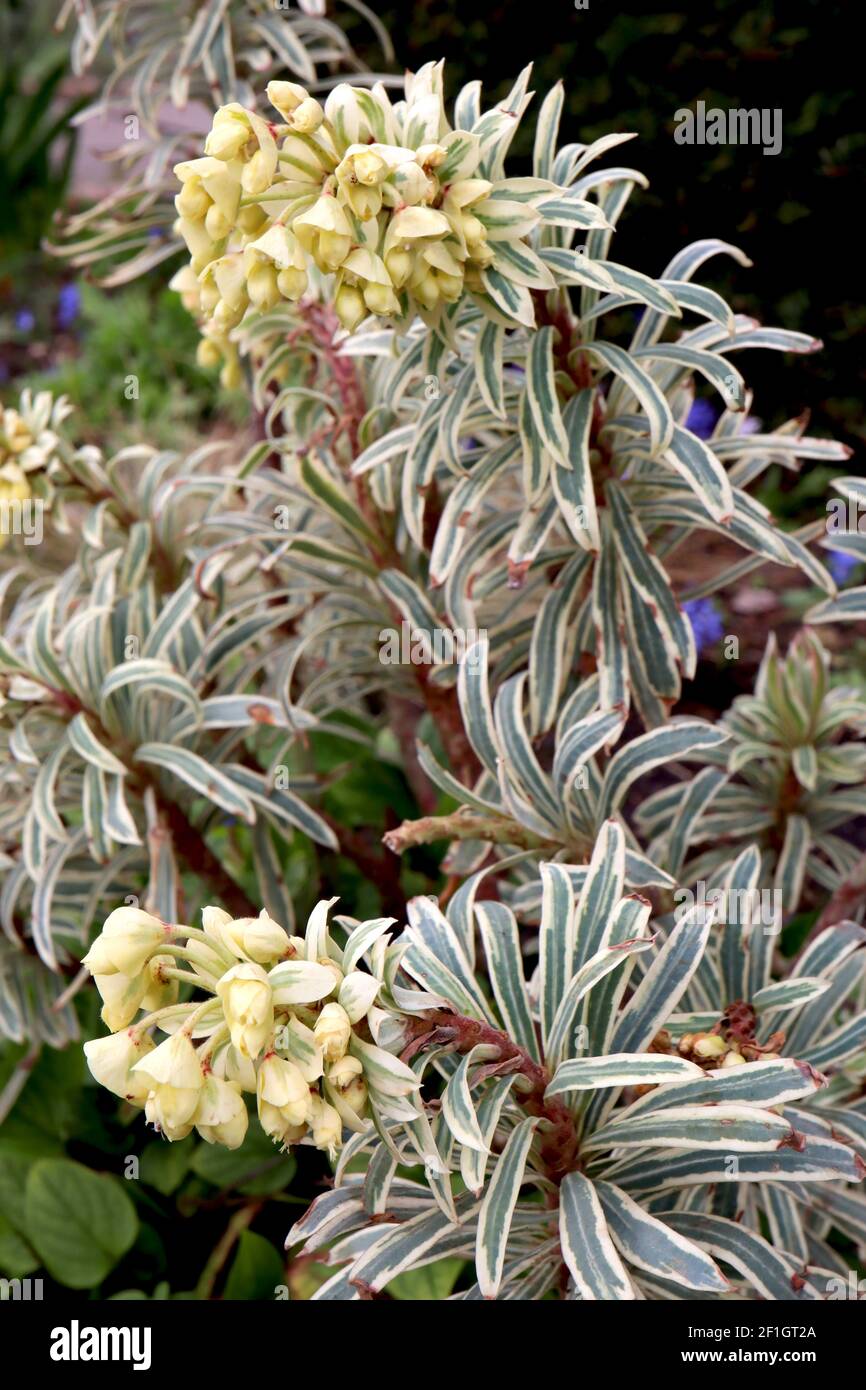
pixel 457 1106
pixel 541 390
pixel 199 774
pixel 501 938
pixel 660 422
pixel 587 1248
pixel 619 1069
pixel 775 1276
pixel 497 1209
pixel 653 1246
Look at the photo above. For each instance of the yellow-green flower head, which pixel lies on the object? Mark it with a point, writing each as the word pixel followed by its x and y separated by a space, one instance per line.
pixel 14 487
pixel 29 438
pixel 362 172
pixel 15 434
pixel 386 198
pixel 259 939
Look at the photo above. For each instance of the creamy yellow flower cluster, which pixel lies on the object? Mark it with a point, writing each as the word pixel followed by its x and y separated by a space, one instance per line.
pixel 384 198
pixel 28 442
pixel 280 1023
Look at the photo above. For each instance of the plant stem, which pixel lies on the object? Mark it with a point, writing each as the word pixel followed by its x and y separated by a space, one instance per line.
pixel 191 847
pixel 559 1147
pixel 223 1248
pixel 465 824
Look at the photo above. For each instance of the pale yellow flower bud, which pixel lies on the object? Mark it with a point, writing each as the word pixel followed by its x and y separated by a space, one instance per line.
pixel 176 1076
pixel 221 1116
pixel 227 138
pixel 286 97
pixel 217 224
pixel 111 1061
pixel 341 1074
pixel 426 291
pixel 733 1059
pixel 346 1077
pixel 122 997
pixel 350 307
pixel 250 220
pixel 207 354
pixel 192 201
pixel 225 318
pixel 126 942
pixel 202 248
pixel 213 919
pixel 160 990
pixel 399 266
pixel 258 173
pixel 262 287
pixel 482 254
pixel 709 1045
pixel 381 299
pixel 230 277
pixel 325 233
pixel 256 938
pixel 248 1004
pixel 332 1031
pixel 284 1100
pixel 326 1125
pixel 450 287
pixel 161 1109
pixel 231 375
pixel 292 284
pixel 307 117
pixel 185 283
pixel 430 156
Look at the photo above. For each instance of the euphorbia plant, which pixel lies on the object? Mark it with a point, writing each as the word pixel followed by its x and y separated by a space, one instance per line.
pixel 473 421
pixel 575 1107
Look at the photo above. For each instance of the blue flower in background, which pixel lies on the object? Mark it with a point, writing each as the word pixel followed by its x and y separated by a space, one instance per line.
pixel 68 305
pixel 702 417
pixel 25 321
pixel 706 621
pixel 840 566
